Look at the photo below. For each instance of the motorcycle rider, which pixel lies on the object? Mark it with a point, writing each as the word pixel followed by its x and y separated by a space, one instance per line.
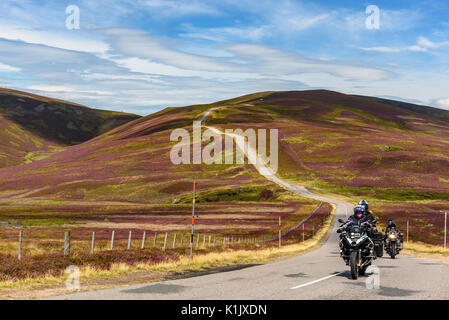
pixel 368 215
pixel 392 226
pixel 373 233
pixel 360 216
pixel 357 216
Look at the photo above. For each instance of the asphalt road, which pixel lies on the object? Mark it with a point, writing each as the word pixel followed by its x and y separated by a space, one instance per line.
pixel 318 274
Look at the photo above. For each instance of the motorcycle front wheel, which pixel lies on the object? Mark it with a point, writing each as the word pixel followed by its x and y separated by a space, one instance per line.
pixel 393 250
pixel 363 270
pixel 354 263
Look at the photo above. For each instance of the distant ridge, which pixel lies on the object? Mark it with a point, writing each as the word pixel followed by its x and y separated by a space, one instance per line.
pixel 422 109
pixel 32 126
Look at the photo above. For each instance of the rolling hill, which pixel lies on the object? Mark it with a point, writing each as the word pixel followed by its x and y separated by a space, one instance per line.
pixel 395 156
pixel 328 140
pixel 32 126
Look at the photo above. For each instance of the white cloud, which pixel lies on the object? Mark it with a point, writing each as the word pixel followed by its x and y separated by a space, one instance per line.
pixel 422 45
pixel 50 88
pixel 276 62
pixel 247 33
pixel 8 68
pixel 416 48
pixel 68 40
pixel 148 67
pixel 198 35
pixel 303 22
pixel 176 8
pixel 442 103
pixel 244 61
pixel 426 43
pixel 135 43
pixel 382 49
pixel 55 88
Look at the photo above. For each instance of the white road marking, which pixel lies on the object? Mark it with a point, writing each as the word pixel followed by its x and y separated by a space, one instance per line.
pixel 315 281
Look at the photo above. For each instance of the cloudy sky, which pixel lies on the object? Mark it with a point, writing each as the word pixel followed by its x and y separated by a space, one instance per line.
pixel 143 55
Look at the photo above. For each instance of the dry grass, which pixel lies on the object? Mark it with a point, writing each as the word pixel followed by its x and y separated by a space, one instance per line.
pixel 420 247
pixel 426 251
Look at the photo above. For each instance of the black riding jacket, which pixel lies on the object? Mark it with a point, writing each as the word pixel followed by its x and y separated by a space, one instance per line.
pixel 393 226
pixel 368 216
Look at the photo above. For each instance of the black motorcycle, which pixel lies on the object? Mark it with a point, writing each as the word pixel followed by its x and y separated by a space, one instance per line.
pixel 393 242
pixel 356 247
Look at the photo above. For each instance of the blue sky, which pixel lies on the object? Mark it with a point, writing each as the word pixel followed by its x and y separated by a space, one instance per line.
pixel 143 55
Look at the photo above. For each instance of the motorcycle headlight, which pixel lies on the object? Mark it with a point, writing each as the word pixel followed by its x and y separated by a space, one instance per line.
pixel 354 235
pixel 392 236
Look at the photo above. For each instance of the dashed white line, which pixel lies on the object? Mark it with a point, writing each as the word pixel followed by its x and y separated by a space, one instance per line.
pixel 315 281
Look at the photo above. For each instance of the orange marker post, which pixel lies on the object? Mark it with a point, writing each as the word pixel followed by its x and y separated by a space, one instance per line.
pixel 193 220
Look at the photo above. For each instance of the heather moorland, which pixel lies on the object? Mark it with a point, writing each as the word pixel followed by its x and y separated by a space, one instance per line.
pixel 123 180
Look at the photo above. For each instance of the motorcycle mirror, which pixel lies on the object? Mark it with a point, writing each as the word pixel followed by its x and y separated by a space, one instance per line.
pixel 341 221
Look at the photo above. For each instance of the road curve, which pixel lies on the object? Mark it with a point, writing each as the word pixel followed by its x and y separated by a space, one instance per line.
pixel 318 274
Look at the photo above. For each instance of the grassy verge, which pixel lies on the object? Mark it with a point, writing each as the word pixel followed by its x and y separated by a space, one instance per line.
pixel 426 251
pixel 420 247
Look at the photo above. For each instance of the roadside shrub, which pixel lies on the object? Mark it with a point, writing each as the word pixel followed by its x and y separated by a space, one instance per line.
pixel 266 194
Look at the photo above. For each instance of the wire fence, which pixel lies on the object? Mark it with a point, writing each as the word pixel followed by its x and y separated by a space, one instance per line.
pixel 43 241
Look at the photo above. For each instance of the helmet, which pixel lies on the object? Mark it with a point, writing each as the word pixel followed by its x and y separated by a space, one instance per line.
pixel 364 203
pixel 359 211
pixel 390 223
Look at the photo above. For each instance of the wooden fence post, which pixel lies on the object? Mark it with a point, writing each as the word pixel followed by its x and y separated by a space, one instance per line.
pixel 214 240
pixel 174 241
pixel 92 245
pixel 197 240
pixel 112 239
pixel 182 238
pixel 129 240
pixel 67 243
pixel 155 237
pixel 143 239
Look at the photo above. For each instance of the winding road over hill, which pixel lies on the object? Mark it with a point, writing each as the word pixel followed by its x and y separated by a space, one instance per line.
pixel 318 274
